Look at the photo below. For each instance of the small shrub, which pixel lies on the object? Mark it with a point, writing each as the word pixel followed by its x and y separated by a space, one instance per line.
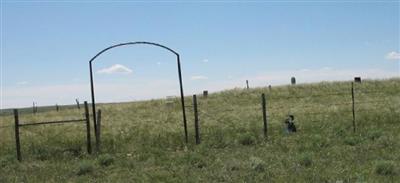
pixel 257 164
pixel 385 168
pixel 305 160
pixel 247 139
pixel 105 160
pixel 84 168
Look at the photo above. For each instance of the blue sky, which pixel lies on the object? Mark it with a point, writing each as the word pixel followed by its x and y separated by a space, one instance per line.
pixel 46 46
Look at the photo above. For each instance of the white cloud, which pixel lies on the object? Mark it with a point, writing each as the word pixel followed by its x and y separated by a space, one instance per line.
pixel 205 60
pixel 158 63
pixel 393 55
pixel 117 68
pixel 198 78
pixel 22 83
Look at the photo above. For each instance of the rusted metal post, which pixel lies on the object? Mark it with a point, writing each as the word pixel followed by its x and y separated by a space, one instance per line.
pixel 196 120
pixel 88 141
pixel 264 112
pixel 17 142
pixel 98 130
pixel 353 107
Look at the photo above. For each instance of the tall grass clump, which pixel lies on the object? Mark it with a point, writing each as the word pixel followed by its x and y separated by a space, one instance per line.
pixel 385 168
pixel 106 159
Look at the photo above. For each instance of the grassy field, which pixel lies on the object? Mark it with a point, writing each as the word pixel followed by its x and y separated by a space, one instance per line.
pixel 144 141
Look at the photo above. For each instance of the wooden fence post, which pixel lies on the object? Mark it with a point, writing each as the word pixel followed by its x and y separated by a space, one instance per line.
pixel 17 142
pixel 196 120
pixel 247 84
pixel 264 112
pixel 98 130
pixel 57 107
pixel 353 107
pixel 88 141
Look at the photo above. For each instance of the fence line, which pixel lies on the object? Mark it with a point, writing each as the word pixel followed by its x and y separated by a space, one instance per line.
pixel 200 108
pixel 52 122
pixel 353 104
pixel 338 93
pixel 18 125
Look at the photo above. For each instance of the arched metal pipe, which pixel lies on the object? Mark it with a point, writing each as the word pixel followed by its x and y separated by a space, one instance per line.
pixel 133 43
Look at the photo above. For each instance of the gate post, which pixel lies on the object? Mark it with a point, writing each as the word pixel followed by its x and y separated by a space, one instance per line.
pixel 98 130
pixel 88 142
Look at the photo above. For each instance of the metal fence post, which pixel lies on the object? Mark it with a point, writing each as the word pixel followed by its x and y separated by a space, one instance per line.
pixel 98 130
pixel 95 129
pixel 196 120
pixel 88 141
pixel 77 104
pixel 353 107
pixel 264 112
pixel 17 141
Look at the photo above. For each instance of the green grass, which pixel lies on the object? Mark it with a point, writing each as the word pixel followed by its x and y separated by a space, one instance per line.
pixel 144 142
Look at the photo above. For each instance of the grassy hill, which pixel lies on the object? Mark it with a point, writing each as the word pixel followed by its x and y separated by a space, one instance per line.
pixel 144 141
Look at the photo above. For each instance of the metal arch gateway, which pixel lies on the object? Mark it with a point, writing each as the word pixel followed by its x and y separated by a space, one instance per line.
pixel 133 43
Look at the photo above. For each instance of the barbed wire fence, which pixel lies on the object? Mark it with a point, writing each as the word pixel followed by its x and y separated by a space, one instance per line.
pixel 350 104
pixel 84 118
